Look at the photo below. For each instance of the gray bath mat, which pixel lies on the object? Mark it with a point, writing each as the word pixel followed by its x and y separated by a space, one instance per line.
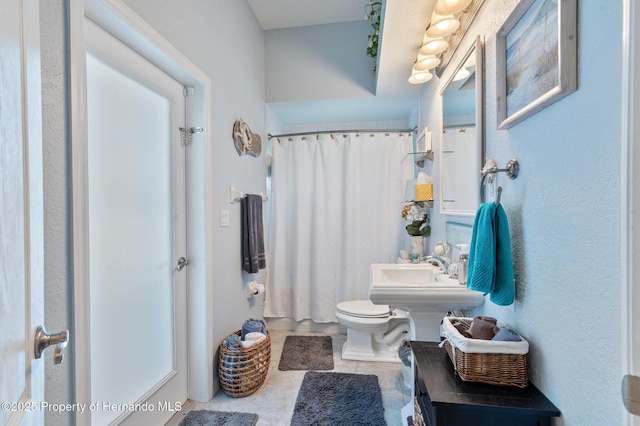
pixel 307 353
pixel 218 418
pixel 338 399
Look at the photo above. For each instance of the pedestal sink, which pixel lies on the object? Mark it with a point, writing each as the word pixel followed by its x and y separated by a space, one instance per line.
pixel 424 291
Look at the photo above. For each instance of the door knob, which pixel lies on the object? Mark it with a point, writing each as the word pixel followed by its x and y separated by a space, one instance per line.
pixel 43 340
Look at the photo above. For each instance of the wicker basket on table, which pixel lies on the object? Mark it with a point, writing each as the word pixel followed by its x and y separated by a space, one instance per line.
pixel 241 371
pixel 486 361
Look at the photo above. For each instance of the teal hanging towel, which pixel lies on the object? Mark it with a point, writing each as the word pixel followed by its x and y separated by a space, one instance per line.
pixel 490 268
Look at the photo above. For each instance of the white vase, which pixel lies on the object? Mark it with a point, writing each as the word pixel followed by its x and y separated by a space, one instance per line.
pixel 416 244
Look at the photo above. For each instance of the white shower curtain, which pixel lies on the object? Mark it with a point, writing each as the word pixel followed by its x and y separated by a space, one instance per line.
pixel 336 209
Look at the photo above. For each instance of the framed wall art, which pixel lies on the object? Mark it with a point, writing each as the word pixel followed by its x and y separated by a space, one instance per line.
pixel 536 63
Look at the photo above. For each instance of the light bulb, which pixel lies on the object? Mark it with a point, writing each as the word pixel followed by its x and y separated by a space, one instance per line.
pixel 451 7
pixel 442 25
pixel 426 63
pixel 420 77
pixel 433 47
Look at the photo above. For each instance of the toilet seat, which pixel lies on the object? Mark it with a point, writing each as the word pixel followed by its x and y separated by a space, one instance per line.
pixel 363 309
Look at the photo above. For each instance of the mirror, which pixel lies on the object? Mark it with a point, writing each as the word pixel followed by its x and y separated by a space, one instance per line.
pixel 461 143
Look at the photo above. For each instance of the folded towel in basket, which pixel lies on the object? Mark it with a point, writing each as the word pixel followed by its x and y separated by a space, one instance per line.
pixel 232 341
pixel 483 329
pixel 247 343
pixel 253 325
pixel 254 336
pixel 507 335
pixel 492 320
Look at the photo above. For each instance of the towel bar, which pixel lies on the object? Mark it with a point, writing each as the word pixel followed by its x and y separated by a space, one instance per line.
pixel 511 170
pixel 235 196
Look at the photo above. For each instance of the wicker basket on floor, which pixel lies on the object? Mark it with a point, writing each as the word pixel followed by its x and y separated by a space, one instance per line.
pixel 241 371
pixel 487 361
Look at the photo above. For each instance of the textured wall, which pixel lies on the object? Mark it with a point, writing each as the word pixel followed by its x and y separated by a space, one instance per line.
pixel 57 209
pixel 318 62
pixel 564 213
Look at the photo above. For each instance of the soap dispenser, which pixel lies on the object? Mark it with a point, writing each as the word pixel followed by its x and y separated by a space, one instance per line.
pixel 463 262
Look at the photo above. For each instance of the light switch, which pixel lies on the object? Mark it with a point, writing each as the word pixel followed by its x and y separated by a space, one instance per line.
pixel 224 218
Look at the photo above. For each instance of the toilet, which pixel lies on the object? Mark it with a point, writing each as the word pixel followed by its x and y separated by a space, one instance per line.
pixel 374 332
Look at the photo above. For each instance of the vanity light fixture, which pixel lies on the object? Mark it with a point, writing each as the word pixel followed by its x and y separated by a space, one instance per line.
pixel 426 63
pixel 442 35
pixel 442 25
pixel 451 7
pixel 433 46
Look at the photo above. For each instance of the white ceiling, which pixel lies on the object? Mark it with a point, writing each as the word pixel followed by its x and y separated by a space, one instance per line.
pixel 403 26
pixel 275 14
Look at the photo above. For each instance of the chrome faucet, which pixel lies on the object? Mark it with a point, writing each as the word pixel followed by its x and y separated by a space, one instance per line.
pixel 439 262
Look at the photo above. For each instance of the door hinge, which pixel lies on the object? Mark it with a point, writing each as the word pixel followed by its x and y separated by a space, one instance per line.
pixel 188 91
pixel 187 137
pixel 182 262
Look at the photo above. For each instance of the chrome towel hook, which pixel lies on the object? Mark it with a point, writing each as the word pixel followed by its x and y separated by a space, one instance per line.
pixel 511 170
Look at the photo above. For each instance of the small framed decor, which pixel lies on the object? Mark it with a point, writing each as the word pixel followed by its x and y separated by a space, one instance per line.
pixel 246 142
pixel 536 62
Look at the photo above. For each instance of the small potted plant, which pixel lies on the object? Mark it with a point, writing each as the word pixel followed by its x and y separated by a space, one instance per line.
pixel 418 229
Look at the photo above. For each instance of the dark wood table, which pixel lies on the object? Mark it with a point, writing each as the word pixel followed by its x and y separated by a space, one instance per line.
pixel 446 400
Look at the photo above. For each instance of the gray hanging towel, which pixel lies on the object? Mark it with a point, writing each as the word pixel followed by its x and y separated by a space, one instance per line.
pixel 253 257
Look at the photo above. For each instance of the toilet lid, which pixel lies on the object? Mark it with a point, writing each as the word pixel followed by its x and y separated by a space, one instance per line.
pixel 363 309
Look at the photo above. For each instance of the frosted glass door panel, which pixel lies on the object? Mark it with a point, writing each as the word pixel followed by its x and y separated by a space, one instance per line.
pixel 131 236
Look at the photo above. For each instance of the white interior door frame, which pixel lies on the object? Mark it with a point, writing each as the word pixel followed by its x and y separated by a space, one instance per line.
pixel 120 20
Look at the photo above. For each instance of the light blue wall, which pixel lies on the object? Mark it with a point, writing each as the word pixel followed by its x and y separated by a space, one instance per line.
pixel 564 213
pixel 319 62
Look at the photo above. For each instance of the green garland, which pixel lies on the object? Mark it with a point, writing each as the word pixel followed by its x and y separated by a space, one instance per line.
pixel 373 12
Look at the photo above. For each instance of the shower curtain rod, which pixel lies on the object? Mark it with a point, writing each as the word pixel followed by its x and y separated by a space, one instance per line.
pixel 455 126
pixel 342 131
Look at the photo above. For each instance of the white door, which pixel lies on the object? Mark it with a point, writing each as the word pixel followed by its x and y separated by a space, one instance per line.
pixel 21 215
pixel 137 233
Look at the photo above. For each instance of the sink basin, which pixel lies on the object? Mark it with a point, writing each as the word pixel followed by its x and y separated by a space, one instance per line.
pixel 424 291
pixel 419 287
pixel 409 274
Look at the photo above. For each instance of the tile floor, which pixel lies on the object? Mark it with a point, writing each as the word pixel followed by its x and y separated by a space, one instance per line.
pixel 275 400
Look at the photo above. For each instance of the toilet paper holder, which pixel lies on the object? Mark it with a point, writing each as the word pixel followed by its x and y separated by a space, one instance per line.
pixel 254 289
